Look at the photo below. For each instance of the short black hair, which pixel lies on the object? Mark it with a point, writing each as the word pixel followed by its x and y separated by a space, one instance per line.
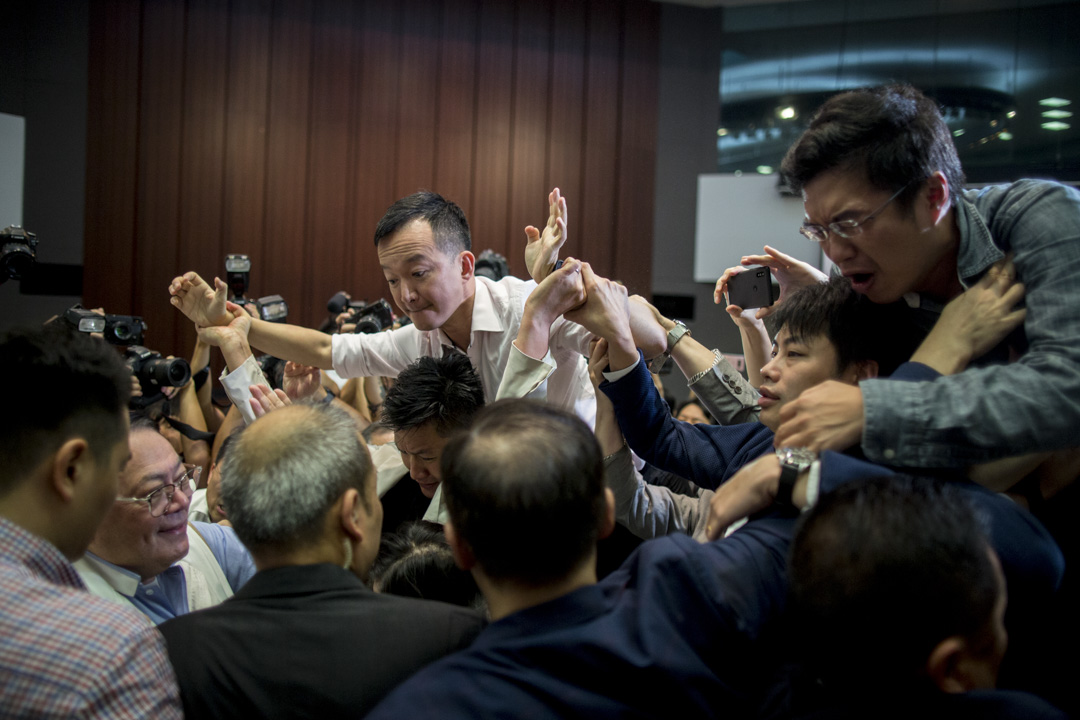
pixel 416 561
pixel 858 329
pixel 448 224
pixel 695 401
pixel 524 487
pixel 446 391
pixel 892 133
pixel 60 385
pixel 883 570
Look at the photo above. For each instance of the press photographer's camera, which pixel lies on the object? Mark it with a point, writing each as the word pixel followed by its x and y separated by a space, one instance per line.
pixel 237 275
pixel 368 317
pixel 116 329
pixel 155 372
pixel 491 265
pixel 18 248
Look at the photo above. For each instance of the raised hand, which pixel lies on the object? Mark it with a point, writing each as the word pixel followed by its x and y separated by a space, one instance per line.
pixel 300 381
pixel 264 400
pixel 792 274
pixel 542 249
pixel 202 304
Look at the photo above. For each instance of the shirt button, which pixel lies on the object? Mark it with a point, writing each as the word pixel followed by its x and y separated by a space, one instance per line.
pixel 149 592
pixel 889 454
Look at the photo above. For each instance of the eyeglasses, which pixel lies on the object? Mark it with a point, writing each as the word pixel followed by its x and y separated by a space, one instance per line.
pixel 160 500
pixel 845 228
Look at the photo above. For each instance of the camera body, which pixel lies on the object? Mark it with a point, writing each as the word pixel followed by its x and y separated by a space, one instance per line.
pixel 491 265
pixel 18 250
pixel 372 318
pixel 273 308
pixel 155 372
pixel 116 329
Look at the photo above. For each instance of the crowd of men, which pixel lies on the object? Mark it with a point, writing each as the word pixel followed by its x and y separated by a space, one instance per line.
pixel 853 531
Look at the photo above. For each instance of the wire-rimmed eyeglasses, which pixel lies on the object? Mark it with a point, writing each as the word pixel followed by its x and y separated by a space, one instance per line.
pixel 845 228
pixel 159 500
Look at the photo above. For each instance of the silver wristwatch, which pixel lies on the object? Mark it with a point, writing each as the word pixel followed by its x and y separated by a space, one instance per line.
pixel 674 335
pixel 793 461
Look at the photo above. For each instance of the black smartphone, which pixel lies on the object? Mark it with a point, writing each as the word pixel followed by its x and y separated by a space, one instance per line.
pixel 751 288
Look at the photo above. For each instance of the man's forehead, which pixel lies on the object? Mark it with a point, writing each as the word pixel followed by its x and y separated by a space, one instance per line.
pixel 412 242
pixel 152 459
pixel 418 439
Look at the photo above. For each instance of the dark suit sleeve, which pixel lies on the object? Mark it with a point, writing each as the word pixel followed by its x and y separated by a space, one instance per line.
pixel 701 453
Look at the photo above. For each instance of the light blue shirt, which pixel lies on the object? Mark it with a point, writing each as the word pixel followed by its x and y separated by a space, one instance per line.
pixel 165 596
pixel 999 409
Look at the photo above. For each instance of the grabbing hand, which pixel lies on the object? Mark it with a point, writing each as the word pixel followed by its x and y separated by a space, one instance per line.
pixel 744 319
pixel 792 274
pixel 542 249
pixel 202 304
pixel 748 491
pixel 300 381
pixel 606 311
pixel 598 363
pixel 263 400
pixel 560 292
pixel 974 321
pixel 828 416
pixel 236 330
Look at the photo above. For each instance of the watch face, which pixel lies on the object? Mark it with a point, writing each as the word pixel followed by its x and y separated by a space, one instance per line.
pixel 802 457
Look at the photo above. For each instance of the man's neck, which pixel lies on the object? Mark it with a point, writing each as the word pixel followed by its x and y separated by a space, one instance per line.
pixel 458 327
pixel 507 598
pixel 942 282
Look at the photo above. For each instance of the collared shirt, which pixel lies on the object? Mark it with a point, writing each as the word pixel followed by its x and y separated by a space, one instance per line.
pixel 166 596
pixel 997 410
pixel 496 318
pixel 66 653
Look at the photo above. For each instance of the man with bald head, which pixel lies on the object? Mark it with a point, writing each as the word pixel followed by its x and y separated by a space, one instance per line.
pixel 300 488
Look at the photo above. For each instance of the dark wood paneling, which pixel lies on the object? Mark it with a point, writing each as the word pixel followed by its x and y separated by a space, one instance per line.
pixel 598 192
pixel 528 161
pixel 158 189
pixel 281 258
pixel 202 147
pixel 637 147
pixel 285 128
pixel 494 104
pixel 456 110
pixel 112 155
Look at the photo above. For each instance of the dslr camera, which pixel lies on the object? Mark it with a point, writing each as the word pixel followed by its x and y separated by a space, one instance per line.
pixel 155 372
pixel 368 317
pixel 18 248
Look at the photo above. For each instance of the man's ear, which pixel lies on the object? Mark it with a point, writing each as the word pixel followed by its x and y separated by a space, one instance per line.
pixel 951 666
pixel 607 525
pixel 71 465
pixel 351 508
pixel 938 197
pixel 468 265
pixel 463 555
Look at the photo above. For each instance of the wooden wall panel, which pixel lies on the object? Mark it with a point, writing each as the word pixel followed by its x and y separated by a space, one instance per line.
pixel 637 146
pixel 567 111
pixel 531 117
pixel 488 214
pixel 112 155
pixel 157 209
pixel 202 149
pixel 284 243
pixel 285 128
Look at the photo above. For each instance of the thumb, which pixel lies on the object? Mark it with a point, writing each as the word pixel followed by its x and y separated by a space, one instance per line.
pixel 531 234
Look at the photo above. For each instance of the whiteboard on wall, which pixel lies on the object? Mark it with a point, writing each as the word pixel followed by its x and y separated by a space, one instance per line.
pixel 738 215
pixel 12 159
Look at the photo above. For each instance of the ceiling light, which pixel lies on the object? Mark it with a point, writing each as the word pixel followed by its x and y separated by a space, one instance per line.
pixel 1053 102
pixel 1055 125
pixel 1056 114
pixel 765 169
pixel 958 133
pixel 1010 114
pixel 787 113
pixel 1005 135
pixel 721 132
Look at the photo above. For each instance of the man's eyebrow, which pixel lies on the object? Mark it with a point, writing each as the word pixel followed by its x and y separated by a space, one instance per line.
pixel 159 477
pixel 412 259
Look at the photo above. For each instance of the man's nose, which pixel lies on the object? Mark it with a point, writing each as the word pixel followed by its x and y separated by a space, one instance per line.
pixel 838 248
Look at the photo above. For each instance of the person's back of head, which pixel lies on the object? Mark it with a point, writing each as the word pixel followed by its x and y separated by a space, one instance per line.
pixel 892 134
pixel 449 227
pixel 524 487
pixel 416 561
pixel 894 585
pixel 860 331
pixel 67 394
pixel 287 472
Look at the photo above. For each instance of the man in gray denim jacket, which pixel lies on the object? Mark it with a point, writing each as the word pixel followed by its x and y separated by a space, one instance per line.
pixel 881 184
